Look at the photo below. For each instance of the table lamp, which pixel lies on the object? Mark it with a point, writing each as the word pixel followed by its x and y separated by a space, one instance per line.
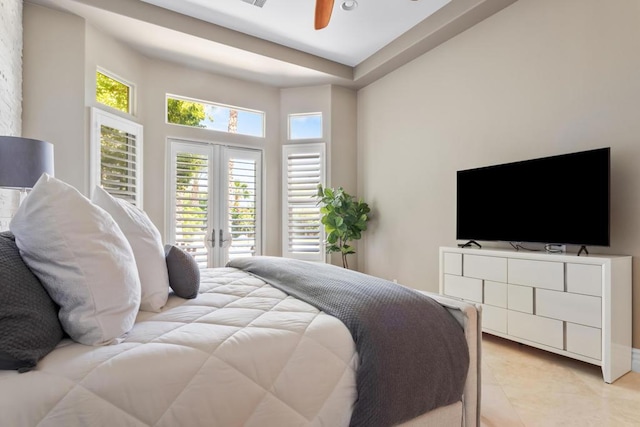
pixel 22 162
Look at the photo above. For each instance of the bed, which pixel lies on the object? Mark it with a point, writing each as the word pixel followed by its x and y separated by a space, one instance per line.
pixel 262 342
pixel 242 353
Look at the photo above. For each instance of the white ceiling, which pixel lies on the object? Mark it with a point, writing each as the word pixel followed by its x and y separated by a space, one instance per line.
pixel 276 44
pixel 350 38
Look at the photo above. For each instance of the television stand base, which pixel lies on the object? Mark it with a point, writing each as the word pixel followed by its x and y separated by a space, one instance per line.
pixel 469 244
pixel 583 248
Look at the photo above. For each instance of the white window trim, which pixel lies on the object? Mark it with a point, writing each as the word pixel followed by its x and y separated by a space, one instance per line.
pixel 301 149
pixel 132 92
pixel 99 118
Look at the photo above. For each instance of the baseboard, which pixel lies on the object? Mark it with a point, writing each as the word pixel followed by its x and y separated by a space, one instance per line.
pixel 635 360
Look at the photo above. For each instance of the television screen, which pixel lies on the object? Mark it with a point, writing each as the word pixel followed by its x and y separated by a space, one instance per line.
pixel 556 200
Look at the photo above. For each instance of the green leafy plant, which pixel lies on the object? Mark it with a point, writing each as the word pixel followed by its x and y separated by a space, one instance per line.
pixel 344 219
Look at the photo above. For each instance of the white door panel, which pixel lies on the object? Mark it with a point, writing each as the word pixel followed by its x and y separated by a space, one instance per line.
pixel 214 201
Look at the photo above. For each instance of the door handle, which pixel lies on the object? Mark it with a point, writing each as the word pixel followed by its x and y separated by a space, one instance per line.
pixel 223 241
pixel 212 239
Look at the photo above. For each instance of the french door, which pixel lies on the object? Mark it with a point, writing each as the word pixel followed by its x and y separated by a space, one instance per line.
pixel 215 201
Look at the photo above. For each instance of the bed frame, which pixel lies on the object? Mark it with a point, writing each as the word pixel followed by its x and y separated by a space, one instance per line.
pixel 467 411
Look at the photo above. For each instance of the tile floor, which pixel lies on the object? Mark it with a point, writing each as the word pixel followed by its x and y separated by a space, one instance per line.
pixel 524 386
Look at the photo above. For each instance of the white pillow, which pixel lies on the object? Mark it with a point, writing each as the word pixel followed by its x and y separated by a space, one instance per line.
pixel 146 242
pixel 83 260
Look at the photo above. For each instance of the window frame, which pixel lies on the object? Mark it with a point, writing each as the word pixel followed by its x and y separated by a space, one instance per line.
pixel 99 118
pixel 130 85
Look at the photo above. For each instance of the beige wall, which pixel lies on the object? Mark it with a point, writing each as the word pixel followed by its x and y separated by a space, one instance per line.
pixel 542 77
pixel 343 154
pixel 53 88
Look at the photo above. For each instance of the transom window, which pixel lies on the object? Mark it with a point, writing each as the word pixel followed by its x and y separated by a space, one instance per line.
pixel 113 92
pixel 305 126
pixel 218 117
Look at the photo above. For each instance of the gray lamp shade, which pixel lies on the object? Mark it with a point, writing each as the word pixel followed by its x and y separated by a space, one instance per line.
pixel 23 161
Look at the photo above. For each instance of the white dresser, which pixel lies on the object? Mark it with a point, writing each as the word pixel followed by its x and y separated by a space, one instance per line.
pixel 579 307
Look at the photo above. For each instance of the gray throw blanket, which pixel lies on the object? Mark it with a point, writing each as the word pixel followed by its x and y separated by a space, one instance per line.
pixel 413 353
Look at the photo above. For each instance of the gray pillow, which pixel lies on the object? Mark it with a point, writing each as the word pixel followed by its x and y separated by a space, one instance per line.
pixel 184 273
pixel 29 324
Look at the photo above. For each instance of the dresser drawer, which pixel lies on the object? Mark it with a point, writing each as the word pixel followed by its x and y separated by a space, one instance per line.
pixel 520 298
pixel 452 263
pixel 485 267
pixel 495 294
pixel 494 319
pixel 584 340
pixel 463 287
pixel 539 274
pixel 582 309
pixel 537 329
pixel 584 279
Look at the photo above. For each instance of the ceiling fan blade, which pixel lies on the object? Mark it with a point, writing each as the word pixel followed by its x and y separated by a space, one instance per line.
pixel 323 13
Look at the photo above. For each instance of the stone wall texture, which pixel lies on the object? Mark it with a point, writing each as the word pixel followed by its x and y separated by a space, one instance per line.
pixel 10 90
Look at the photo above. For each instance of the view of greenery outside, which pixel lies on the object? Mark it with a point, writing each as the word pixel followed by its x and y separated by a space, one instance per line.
pixel 186 113
pixel 113 93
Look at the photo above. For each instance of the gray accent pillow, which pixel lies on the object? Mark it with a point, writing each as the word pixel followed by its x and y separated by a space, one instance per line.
pixel 29 324
pixel 184 273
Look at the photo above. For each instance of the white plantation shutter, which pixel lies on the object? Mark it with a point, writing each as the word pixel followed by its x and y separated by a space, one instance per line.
pixel 303 169
pixel 243 202
pixel 116 156
pixel 191 208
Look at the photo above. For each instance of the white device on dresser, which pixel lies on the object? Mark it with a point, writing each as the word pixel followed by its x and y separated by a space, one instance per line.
pixel 579 307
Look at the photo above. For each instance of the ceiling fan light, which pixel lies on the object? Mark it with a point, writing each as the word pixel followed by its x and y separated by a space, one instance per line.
pixel 349 5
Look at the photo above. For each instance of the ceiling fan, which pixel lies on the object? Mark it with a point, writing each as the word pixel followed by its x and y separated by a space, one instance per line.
pixel 323 13
pixel 323 10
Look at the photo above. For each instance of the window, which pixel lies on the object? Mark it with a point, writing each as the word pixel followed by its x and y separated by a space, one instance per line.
pixel 303 169
pixel 218 117
pixel 113 92
pixel 305 126
pixel 116 156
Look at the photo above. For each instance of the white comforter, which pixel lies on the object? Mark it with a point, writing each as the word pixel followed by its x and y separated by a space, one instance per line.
pixel 242 354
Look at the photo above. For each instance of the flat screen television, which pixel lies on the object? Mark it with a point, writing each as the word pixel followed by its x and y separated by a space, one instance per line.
pixel 560 199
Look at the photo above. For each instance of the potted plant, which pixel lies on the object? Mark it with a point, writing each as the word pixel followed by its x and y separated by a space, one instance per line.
pixel 344 219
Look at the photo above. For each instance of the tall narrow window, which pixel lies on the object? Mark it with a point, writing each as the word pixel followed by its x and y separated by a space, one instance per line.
pixel 303 169
pixel 113 92
pixel 116 156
